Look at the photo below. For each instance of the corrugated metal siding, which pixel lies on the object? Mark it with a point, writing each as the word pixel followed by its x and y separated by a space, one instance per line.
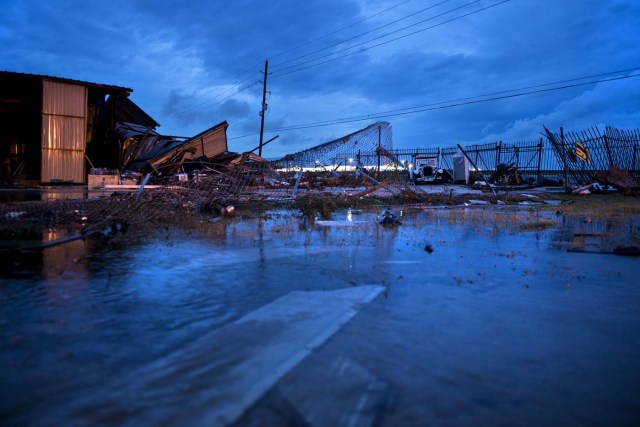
pixel 62 165
pixel 213 142
pixel 62 99
pixel 63 132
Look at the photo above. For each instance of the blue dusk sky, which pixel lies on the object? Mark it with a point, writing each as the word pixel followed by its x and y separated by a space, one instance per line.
pixel 339 65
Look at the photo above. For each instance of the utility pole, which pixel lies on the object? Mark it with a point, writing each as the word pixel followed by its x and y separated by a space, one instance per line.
pixel 264 105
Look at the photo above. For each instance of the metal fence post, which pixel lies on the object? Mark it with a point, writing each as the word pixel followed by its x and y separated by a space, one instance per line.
pixel 606 145
pixel 538 174
pixel 476 168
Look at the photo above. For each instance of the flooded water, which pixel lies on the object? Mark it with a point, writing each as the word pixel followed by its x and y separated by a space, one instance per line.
pixel 466 317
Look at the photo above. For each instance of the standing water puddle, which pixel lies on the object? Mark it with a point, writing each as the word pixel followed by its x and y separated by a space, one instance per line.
pixel 454 317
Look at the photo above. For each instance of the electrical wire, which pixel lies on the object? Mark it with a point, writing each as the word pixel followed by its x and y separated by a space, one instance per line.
pixel 174 116
pixel 276 74
pixel 493 94
pixel 215 99
pixel 337 31
pixel 367 32
pixel 461 102
pixel 209 106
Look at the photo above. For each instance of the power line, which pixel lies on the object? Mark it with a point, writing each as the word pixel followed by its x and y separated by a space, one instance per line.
pixel 493 94
pixel 338 30
pixel 215 98
pixel 281 73
pixel 209 105
pixel 460 102
pixel 365 33
pixel 196 108
pixel 376 116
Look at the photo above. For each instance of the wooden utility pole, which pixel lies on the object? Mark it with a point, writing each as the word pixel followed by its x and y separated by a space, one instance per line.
pixel 264 105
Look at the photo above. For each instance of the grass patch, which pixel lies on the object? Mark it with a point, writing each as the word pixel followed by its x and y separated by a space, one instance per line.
pixel 538 225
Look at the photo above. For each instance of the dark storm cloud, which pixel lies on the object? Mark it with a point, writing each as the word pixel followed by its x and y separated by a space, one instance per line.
pixel 184 61
pixel 235 109
pixel 233 36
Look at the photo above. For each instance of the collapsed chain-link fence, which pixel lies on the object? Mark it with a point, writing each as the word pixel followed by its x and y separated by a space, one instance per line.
pixel 360 165
pixel 357 165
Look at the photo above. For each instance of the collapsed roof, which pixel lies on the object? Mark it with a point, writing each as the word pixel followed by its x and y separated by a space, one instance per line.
pixel 144 148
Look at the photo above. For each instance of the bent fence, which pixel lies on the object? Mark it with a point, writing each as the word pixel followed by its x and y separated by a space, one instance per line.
pixel 581 155
pixel 362 164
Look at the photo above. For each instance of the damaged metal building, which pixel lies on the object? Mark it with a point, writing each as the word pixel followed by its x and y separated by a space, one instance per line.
pixel 53 130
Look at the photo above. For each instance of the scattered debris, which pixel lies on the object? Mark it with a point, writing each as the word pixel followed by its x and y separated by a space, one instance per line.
pixel 505 174
pixel 594 188
pixel 625 250
pixel 343 223
pixel 528 203
pixel 14 214
pixel 374 188
pixel 618 178
pixel 388 219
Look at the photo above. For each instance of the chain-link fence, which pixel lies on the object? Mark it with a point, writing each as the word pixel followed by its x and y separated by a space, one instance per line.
pixel 361 165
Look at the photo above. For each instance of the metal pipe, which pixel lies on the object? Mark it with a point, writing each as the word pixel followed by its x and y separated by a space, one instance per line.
pixel 476 168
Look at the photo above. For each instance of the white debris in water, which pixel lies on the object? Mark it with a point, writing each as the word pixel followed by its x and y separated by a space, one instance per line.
pixel 344 223
pixel 14 214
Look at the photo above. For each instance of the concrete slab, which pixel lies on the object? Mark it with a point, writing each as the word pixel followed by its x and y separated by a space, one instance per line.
pixel 230 369
pixel 345 395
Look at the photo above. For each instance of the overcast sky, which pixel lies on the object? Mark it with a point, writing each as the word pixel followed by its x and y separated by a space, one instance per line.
pixel 184 60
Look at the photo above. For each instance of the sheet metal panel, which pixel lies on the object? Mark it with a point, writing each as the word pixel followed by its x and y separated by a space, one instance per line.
pixel 62 132
pixel 63 99
pixel 209 143
pixel 62 165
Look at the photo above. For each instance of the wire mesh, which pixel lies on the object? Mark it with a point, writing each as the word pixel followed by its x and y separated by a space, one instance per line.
pixel 361 164
pixel 358 164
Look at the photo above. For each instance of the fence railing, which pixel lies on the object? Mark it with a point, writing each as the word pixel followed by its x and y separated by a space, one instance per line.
pixel 565 158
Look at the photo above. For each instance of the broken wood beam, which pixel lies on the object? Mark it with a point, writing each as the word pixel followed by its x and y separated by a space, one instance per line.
pixel 370 190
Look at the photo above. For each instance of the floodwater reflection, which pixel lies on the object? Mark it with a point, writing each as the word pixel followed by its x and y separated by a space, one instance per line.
pixel 498 324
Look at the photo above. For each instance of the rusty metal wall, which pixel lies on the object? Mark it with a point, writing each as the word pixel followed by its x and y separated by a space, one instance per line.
pixel 63 133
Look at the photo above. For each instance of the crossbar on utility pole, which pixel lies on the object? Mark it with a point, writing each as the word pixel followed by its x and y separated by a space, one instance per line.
pixel 264 105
